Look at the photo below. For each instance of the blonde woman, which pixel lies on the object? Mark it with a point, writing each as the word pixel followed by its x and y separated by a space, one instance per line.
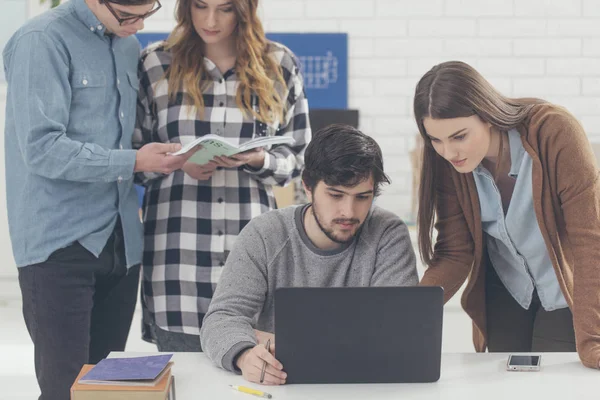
pixel 215 74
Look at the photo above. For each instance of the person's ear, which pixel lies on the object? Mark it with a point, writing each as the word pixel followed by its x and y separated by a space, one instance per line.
pixel 307 191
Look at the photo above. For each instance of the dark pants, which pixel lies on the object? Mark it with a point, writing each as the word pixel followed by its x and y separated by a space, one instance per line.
pixel 176 341
pixel 511 328
pixel 77 309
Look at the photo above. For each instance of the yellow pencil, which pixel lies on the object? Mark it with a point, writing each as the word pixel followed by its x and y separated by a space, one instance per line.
pixel 248 390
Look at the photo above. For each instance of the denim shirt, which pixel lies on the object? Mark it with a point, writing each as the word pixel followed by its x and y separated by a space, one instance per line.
pixel 515 243
pixel 70 116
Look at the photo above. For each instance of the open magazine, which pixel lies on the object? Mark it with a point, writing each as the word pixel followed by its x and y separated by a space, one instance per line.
pixel 213 146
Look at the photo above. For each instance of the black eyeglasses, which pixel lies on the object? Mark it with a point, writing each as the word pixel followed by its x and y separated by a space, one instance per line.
pixel 133 19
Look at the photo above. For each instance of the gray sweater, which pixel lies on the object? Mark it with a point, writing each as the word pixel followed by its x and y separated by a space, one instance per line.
pixel 274 251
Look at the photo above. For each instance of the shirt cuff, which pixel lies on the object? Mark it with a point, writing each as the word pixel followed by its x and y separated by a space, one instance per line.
pixel 229 359
pixel 265 166
pixel 123 162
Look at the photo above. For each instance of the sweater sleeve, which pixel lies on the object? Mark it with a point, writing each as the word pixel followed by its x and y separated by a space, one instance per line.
pixel 453 250
pixel 580 205
pixel 227 327
pixel 395 264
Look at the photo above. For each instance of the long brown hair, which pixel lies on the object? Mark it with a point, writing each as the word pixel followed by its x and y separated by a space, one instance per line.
pixel 454 89
pixel 256 69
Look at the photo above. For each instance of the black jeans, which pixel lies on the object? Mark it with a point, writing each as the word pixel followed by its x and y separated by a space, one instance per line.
pixel 77 309
pixel 167 341
pixel 511 328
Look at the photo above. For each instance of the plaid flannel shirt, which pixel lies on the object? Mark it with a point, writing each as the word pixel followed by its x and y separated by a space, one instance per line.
pixel 190 226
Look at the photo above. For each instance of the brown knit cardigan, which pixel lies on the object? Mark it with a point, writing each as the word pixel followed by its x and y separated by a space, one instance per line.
pixel 566 191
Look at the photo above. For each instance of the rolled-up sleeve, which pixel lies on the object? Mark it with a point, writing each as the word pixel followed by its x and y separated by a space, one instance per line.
pixel 285 162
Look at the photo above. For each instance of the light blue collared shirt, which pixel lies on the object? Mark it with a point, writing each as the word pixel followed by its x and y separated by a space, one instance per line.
pixel 70 116
pixel 515 243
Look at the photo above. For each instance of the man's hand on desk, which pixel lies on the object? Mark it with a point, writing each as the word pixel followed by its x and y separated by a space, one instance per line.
pixel 251 361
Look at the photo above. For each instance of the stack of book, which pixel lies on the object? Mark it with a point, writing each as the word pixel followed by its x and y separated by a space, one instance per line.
pixel 132 378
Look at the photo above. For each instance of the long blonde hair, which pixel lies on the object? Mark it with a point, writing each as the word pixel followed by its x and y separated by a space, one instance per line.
pixel 255 68
pixel 453 90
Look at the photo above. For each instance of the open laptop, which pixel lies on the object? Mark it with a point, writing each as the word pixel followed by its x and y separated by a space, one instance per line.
pixel 360 334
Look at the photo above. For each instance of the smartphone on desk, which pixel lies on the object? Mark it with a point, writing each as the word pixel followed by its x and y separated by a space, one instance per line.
pixel 525 362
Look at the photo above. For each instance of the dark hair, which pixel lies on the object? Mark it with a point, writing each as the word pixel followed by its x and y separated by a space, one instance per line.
pixel 453 90
pixel 341 155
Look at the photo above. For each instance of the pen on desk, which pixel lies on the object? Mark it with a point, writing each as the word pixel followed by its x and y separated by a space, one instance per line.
pixel 264 367
pixel 248 390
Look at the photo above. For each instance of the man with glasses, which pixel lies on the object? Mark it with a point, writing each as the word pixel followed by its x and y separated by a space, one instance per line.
pixel 127 18
pixel 72 207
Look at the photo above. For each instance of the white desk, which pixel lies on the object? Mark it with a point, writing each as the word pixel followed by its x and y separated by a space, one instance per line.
pixel 464 376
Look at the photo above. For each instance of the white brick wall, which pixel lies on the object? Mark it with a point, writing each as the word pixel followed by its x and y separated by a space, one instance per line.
pixel 543 48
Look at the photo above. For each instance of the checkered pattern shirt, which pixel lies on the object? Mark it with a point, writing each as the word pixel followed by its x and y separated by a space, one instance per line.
pixel 190 226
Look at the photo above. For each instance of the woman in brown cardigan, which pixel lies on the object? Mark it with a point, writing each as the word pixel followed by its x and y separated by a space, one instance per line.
pixel 514 190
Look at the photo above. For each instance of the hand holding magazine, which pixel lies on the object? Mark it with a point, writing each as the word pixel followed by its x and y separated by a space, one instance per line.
pixel 214 146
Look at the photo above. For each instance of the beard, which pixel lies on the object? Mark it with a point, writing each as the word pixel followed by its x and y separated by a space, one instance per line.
pixel 330 232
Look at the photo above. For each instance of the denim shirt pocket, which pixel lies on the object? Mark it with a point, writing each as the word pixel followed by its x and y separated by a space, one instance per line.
pixel 87 86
